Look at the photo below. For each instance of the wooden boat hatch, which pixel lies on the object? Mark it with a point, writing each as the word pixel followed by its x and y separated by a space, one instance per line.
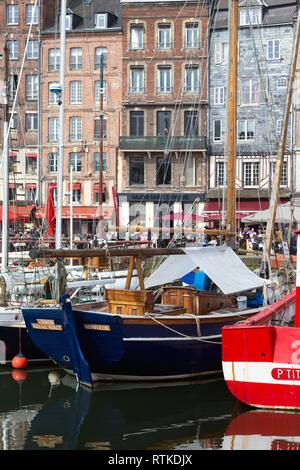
pixel 194 301
pixel 129 302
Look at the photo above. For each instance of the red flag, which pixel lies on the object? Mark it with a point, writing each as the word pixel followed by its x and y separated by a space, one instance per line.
pixel 50 214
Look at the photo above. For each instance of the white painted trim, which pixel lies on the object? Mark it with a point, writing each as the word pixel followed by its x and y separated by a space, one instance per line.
pixel 193 338
pixel 257 372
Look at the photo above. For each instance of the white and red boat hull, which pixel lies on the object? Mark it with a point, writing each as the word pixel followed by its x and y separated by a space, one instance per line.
pixel 261 361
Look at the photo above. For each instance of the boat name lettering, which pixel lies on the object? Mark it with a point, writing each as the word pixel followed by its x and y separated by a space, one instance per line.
pixel 285 374
pixel 97 327
pixel 46 326
pixel 44 321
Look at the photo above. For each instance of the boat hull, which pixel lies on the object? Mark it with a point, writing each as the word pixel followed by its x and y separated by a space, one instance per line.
pixel 119 347
pixel 261 361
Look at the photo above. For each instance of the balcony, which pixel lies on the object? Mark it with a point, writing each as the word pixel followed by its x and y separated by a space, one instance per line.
pixel 133 143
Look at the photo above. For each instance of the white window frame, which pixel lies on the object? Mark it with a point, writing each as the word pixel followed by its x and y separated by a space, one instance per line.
pixel 75 134
pixel 221 53
pixel 32 49
pixel 251 16
pixel 272 45
pixel 194 160
pixel 53 59
pixel 69 21
pixel 254 174
pixel 31 118
pixel 53 129
pixel 13 49
pixel 97 92
pixel 139 43
pixel 246 126
pixel 220 174
pixel 164 36
pixel 214 130
pixel 195 42
pixel 31 87
pixel 284 180
pixel 100 20
pixel 75 58
pixel 98 52
pixel 76 159
pixel 52 97
pixel 54 158
pixel 30 18
pixel 13 121
pixel 12 14
pixel 279 85
pixel 278 126
pixel 194 72
pixel 162 79
pixel 76 92
pixel 219 95
pixel 137 86
pixel 254 98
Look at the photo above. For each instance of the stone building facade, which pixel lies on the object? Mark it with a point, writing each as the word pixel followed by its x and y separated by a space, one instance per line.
pixel 162 158
pixel 266 34
pixel 93 29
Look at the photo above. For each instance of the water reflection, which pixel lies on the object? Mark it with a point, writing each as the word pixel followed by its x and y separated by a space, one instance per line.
pixel 45 409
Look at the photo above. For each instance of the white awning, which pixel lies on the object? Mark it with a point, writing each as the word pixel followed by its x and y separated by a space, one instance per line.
pixel 220 263
pixel 284 214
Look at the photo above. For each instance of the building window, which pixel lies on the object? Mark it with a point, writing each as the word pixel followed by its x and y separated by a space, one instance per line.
pixel 284 173
pixel 278 127
pixel 31 87
pixel 97 162
pixel 33 49
pixel 217 130
pixel 246 129
pixel 30 193
pixel 53 60
pixel 76 161
pixel 52 97
pixel 136 123
pixel 191 37
pixel 31 165
pixel 12 86
pixel 12 193
pixel 75 129
pixel 191 123
pixel 251 173
pixel 191 79
pixel 164 38
pixel 136 37
pixel 250 16
pixel 163 171
pixel 191 170
pixel 136 171
pixel 97 128
pixel 219 95
pixel 12 14
pixel 32 14
pixel 100 51
pixel 13 49
pixel 76 92
pixel 273 49
pixel 69 22
pixel 98 90
pixel 53 129
pixel 282 82
pixel 100 20
pixel 250 93
pixel 31 122
pixel 76 195
pixel 163 124
pixel 13 119
pixel 164 84
pixel 137 80
pixel 220 174
pixel 221 53
pixel 52 162
pixel 75 58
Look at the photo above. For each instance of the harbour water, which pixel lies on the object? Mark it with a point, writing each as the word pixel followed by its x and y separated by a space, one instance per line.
pixel 44 409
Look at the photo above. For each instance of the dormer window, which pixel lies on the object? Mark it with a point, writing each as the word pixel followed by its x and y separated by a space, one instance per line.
pixel 101 20
pixel 69 22
pixel 250 16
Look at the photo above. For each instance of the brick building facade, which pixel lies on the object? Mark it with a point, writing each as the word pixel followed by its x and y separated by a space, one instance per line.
pixel 162 162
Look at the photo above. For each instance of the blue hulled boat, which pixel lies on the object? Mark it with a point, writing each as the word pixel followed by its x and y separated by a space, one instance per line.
pixel 131 337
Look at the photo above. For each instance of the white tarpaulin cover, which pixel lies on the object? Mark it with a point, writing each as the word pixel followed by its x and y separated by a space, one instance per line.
pixel 220 263
pixel 284 215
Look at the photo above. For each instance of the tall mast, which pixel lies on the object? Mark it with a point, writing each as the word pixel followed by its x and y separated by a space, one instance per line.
pixel 232 119
pixel 5 166
pixel 58 231
pixel 101 139
pixel 39 159
pixel 282 143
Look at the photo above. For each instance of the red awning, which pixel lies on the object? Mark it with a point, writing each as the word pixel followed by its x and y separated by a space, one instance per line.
pixel 31 155
pixel 79 212
pixel 213 209
pixel 96 187
pixel 75 186
pixel 52 186
pixel 30 185
pixel 17 213
pixel 13 154
pixel 12 185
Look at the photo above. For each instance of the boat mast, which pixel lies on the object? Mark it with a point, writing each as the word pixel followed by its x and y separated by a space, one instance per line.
pixel 5 166
pixel 39 159
pixel 281 146
pixel 100 224
pixel 58 231
pixel 232 120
